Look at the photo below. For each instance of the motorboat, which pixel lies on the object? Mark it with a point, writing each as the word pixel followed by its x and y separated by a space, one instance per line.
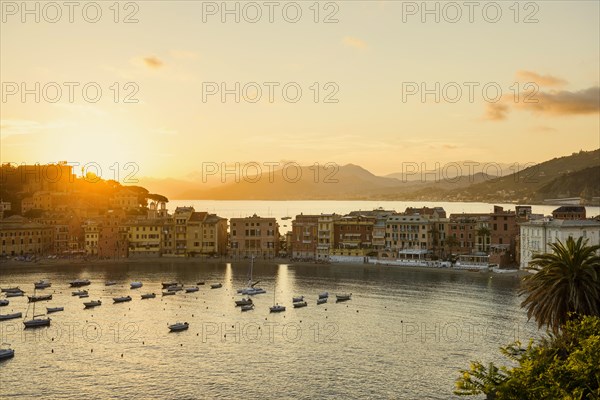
pixel 247 307
pixel 42 284
pixel 175 288
pixel 79 293
pixel 50 310
pixel 243 302
pixel 110 283
pixel 343 297
pixel 11 289
pixel 93 303
pixel 216 285
pixel 4 317
pixel 322 300
pixel 192 289
pixel 299 304
pixel 6 352
pixel 179 327
pixel 323 295
pixel 167 284
pixel 277 308
pixel 39 298
pixel 80 282
pixel 14 294
pixel 148 296
pixel 136 285
pixel 121 299
pixel 297 299
pixel 4 302
pixel 168 293
pixel 200 283
pixel 84 295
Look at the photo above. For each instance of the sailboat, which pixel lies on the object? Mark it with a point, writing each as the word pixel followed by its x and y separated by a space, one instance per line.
pixel 251 290
pixel 36 321
pixel 276 307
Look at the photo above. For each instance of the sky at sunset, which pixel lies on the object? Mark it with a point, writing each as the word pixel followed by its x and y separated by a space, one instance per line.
pixel 370 61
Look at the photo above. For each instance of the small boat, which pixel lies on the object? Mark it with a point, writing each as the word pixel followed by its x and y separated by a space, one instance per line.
pixel 79 293
pixel 200 283
pixel 250 290
pixel 179 326
pixel 84 295
pixel 6 352
pixel 167 284
pixel 324 295
pixel 299 304
pixel 243 302
pixel 90 304
pixel 80 282
pixel 277 308
pixel 4 317
pixel 11 289
pixel 342 297
pixel 39 298
pixel 136 285
pixel 121 299
pixel 168 293
pixel 322 300
pixel 148 296
pixel 216 285
pixel 110 283
pixel 4 302
pixel 297 299
pixel 32 323
pixel 192 289
pixel 50 310
pixel 175 288
pixel 14 294
pixel 42 284
pixel 247 307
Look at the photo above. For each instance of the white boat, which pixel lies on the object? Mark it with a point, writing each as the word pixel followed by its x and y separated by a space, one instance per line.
pixel 4 317
pixel 297 299
pixel 50 310
pixel 42 284
pixel 343 297
pixel 110 283
pixel 4 302
pixel 179 327
pixel 6 352
pixel 36 320
pixel 39 298
pixel 322 300
pixel 93 303
pixel 192 289
pixel 247 307
pixel 136 285
pixel 216 285
pixel 276 307
pixel 251 290
pixel 121 299
pixel 148 296
pixel 168 293
pixel 243 302
pixel 14 294
pixel 299 304
pixel 324 295
pixel 79 293
pixel 80 282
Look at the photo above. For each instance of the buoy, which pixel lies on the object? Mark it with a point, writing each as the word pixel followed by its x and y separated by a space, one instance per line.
pixel 53 350
pixel 121 355
pixel 92 351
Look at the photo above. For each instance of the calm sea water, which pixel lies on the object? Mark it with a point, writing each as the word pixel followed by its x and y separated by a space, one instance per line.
pixel 279 209
pixel 404 334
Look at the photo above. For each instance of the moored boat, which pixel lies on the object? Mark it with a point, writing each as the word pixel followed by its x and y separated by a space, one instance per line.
pixel 243 302
pixel 93 303
pixel 36 321
pixel 167 284
pixel 50 310
pixel 192 289
pixel 15 294
pixel 299 304
pixel 110 283
pixel 247 307
pixel 200 283
pixel 11 289
pixel 44 297
pixel 148 296
pixel 79 293
pixel 175 288
pixel 179 326
pixel 216 285
pixel 168 293
pixel 6 352
pixel 4 317
pixel 4 302
pixel 323 295
pixel 42 284
pixel 322 300
pixel 277 308
pixel 121 299
pixel 136 285
pixel 297 299
pixel 80 282
pixel 343 297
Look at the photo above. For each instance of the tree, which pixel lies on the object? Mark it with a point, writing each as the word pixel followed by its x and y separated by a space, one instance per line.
pixel 451 242
pixel 483 233
pixel 565 281
pixel 562 366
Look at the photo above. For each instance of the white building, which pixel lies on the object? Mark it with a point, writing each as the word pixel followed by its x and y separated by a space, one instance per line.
pixel 536 235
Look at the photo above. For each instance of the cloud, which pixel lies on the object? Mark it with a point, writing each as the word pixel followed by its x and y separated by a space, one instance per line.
pixel 541 80
pixel 553 103
pixel 153 62
pixel 355 42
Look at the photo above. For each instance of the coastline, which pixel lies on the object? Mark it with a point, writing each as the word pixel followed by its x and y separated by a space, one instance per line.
pixel 12 264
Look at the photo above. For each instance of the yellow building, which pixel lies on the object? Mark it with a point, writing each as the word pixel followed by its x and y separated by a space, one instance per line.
pixel 20 237
pixel 145 237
